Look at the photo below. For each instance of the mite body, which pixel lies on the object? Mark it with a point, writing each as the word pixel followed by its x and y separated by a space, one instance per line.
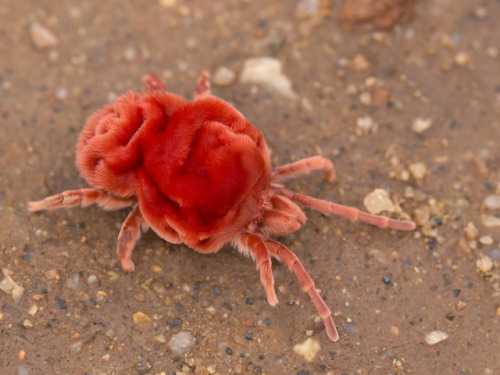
pixel 199 173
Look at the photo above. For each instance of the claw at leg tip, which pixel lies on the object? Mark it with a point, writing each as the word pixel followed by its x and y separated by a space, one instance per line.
pixel 127 265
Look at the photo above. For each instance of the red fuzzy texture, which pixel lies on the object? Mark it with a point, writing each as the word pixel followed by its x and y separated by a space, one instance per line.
pixel 196 167
pixel 199 173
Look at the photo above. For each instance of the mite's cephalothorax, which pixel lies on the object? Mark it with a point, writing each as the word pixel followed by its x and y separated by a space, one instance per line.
pixel 198 173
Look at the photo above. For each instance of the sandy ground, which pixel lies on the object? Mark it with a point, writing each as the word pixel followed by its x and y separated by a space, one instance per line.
pixel 358 95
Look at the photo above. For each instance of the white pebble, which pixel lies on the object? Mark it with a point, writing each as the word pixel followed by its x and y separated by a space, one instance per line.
pixel 366 125
pixel 181 343
pixel 267 71
pixel 42 37
pixel 61 93
pixel 72 282
pixel 484 265
pixel 417 170
pixel 378 201
pixel 490 221
pixel 21 370
pixel 492 202
pixel 486 240
pixel 435 337
pixel 307 349
pixel 420 125
pixel 223 76
pixel 129 53
pixel 92 279
pixel 307 8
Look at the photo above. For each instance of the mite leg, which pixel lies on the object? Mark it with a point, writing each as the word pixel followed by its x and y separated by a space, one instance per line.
pixel 351 213
pixel 84 197
pixel 257 247
pixel 307 284
pixel 151 83
pixel 304 166
pixel 202 88
pixel 129 234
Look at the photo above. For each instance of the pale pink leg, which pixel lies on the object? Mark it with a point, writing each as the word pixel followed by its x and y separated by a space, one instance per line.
pixel 307 284
pixel 284 217
pixel 84 197
pixel 304 166
pixel 129 234
pixel 202 88
pixel 151 83
pixel 351 213
pixel 257 247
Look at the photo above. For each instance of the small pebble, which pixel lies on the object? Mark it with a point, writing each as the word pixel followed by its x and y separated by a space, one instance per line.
pixel 181 343
pixel 161 339
pixel 387 279
pixel 420 125
pixel 140 317
pixel 492 202
pixel 490 221
pixel 462 59
pixel 61 303
pixel 471 231
pixel 21 370
pixel 169 4
pixel 21 355
pixel 417 170
pixel 435 337
pixel 267 71
pixel 76 347
pixel 486 240
pixel 307 349
pixel 494 253
pixel 461 305
pixel 421 215
pixel 42 37
pixel 223 76
pixel 156 269
pixel 365 125
pixel 307 8
pixel 359 63
pixel 484 265
pixel 52 274
pixel 27 323
pixel 378 201
pixel 61 93
pixel 144 367
pixel 129 53
pixel 394 331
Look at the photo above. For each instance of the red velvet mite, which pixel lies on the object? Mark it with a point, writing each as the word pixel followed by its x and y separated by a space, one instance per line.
pixel 199 173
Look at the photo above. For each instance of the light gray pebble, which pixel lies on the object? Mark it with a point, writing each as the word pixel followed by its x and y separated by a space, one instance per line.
pixel 181 343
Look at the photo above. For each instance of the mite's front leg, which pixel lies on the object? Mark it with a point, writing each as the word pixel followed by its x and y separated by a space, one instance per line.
pixel 84 198
pixel 129 235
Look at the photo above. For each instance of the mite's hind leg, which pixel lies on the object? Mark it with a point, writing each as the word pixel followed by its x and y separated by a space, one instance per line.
pixel 84 197
pixel 129 235
pixel 202 88
pixel 256 245
pixel 304 166
pixel 307 284
pixel 351 213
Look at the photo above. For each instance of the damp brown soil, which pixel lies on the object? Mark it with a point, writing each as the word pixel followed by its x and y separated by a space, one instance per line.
pixel 413 110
